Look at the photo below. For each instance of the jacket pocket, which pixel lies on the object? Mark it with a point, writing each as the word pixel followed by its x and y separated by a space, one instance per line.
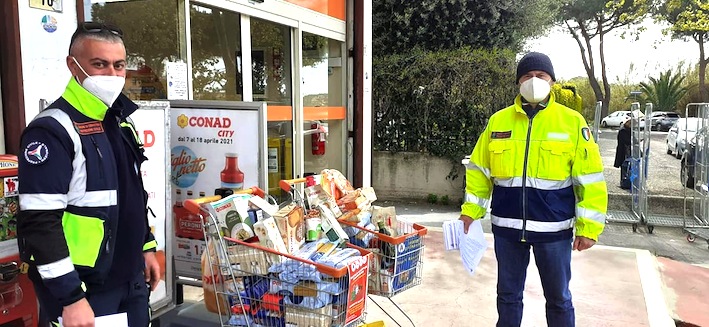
pixel 555 160
pixel 592 162
pixel 502 159
pixel 84 238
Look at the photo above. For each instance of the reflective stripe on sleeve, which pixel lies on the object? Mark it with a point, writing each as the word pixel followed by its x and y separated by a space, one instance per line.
pixel 472 198
pixel 538 183
pixel 590 214
pixel 589 179
pixel 472 166
pixel 532 225
pixel 40 201
pixel 56 268
pixel 94 198
pixel 150 245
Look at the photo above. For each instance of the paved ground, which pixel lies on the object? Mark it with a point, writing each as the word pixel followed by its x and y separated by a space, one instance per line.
pixel 629 279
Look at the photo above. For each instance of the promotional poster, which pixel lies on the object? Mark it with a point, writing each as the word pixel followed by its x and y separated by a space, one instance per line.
pixel 153 135
pixel 210 148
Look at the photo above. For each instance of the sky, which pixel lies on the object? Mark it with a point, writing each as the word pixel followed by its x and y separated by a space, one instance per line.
pixel 652 54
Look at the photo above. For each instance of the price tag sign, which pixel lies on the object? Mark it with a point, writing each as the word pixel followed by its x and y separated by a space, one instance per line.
pixel 49 5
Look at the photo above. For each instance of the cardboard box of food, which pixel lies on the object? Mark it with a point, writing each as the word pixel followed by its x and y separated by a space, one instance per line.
pixel 302 317
pixel 247 261
pixel 291 224
pixel 270 237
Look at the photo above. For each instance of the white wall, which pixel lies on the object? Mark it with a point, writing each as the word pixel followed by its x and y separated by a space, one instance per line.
pixel 44 54
pixel 408 175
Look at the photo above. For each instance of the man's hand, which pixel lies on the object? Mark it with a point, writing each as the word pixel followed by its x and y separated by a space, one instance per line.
pixel 583 243
pixel 78 314
pixel 152 270
pixel 466 222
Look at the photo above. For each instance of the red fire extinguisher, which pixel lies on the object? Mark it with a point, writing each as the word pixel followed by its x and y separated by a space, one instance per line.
pixel 318 139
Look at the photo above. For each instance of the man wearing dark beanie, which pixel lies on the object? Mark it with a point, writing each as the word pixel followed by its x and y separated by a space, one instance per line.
pixel 538 168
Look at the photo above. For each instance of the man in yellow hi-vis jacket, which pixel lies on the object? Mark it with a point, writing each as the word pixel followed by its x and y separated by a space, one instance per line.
pixel 538 167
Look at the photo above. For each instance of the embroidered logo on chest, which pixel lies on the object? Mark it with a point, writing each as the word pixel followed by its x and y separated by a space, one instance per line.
pixel 501 135
pixel 92 127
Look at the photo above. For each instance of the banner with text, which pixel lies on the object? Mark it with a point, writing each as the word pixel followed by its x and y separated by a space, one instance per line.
pixel 152 126
pixel 208 147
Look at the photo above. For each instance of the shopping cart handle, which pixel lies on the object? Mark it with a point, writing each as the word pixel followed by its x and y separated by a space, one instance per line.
pixel 193 205
pixel 254 190
pixel 285 184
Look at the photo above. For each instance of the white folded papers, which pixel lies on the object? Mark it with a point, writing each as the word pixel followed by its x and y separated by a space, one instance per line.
pixel 472 245
pixel 115 320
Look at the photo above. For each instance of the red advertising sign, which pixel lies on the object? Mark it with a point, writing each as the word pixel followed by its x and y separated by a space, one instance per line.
pixel 357 292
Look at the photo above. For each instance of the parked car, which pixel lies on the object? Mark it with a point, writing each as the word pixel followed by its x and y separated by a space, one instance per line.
pixel 663 120
pixel 683 129
pixel 686 174
pixel 615 119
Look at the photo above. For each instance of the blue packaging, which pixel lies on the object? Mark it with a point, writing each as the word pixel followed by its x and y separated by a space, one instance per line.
pixel 407 259
pixel 255 287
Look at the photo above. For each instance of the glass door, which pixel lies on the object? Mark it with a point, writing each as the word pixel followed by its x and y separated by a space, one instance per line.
pixel 324 113
pixel 272 82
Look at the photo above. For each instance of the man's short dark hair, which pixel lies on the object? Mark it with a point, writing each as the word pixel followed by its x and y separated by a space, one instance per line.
pixel 96 31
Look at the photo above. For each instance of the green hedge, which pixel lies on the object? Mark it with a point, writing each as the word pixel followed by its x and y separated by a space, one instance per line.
pixel 566 94
pixel 438 102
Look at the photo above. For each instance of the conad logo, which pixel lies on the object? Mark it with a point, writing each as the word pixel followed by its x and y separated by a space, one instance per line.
pixel 203 121
pixel 358 263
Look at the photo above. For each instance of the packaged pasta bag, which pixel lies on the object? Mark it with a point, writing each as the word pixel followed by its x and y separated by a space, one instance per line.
pixel 335 183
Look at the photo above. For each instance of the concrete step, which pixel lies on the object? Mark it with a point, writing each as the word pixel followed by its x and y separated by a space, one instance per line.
pixel 658 204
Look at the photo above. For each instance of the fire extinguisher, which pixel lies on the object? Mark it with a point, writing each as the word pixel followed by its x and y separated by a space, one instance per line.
pixel 318 139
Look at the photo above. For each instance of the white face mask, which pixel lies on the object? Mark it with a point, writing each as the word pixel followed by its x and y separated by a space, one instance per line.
pixel 535 89
pixel 106 88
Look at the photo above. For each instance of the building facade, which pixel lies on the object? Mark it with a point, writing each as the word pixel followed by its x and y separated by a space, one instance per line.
pixel 309 60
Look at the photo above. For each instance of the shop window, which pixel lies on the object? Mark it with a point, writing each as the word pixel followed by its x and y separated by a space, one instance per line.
pixel 151 35
pixel 323 103
pixel 216 48
pixel 271 69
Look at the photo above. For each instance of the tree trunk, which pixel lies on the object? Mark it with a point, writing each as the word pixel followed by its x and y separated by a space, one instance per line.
pixel 702 68
pixel 588 64
pixel 606 86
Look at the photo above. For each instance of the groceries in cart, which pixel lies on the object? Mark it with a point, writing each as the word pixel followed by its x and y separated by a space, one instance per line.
pixel 346 214
pixel 258 269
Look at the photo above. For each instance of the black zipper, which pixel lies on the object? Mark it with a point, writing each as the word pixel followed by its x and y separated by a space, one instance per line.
pixel 100 156
pixel 524 181
pixel 108 241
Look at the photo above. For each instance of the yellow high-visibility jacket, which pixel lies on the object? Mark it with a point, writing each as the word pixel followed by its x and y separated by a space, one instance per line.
pixel 542 176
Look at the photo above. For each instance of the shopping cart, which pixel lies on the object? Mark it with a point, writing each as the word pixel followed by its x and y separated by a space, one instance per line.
pixel 253 285
pixel 397 265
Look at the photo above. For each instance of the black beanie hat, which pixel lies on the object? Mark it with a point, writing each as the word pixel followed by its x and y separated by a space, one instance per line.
pixel 535 61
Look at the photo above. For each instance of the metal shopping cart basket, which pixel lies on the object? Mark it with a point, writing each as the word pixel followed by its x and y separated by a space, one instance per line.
pixel 253 285
pixel 397 264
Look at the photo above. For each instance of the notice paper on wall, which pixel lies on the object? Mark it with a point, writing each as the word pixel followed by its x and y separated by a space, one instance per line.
pixel 115 320
pixel 472 245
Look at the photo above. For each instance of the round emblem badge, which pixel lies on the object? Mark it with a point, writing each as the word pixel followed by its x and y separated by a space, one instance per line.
pixel 36 153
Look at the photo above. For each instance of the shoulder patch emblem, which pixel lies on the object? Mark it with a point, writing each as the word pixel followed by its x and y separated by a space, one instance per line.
pixel 501 135
pixel 36 153
pixel 586 133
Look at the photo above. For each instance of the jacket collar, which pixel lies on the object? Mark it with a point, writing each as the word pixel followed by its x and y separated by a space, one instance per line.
pixel 519 105
pixel 91 106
